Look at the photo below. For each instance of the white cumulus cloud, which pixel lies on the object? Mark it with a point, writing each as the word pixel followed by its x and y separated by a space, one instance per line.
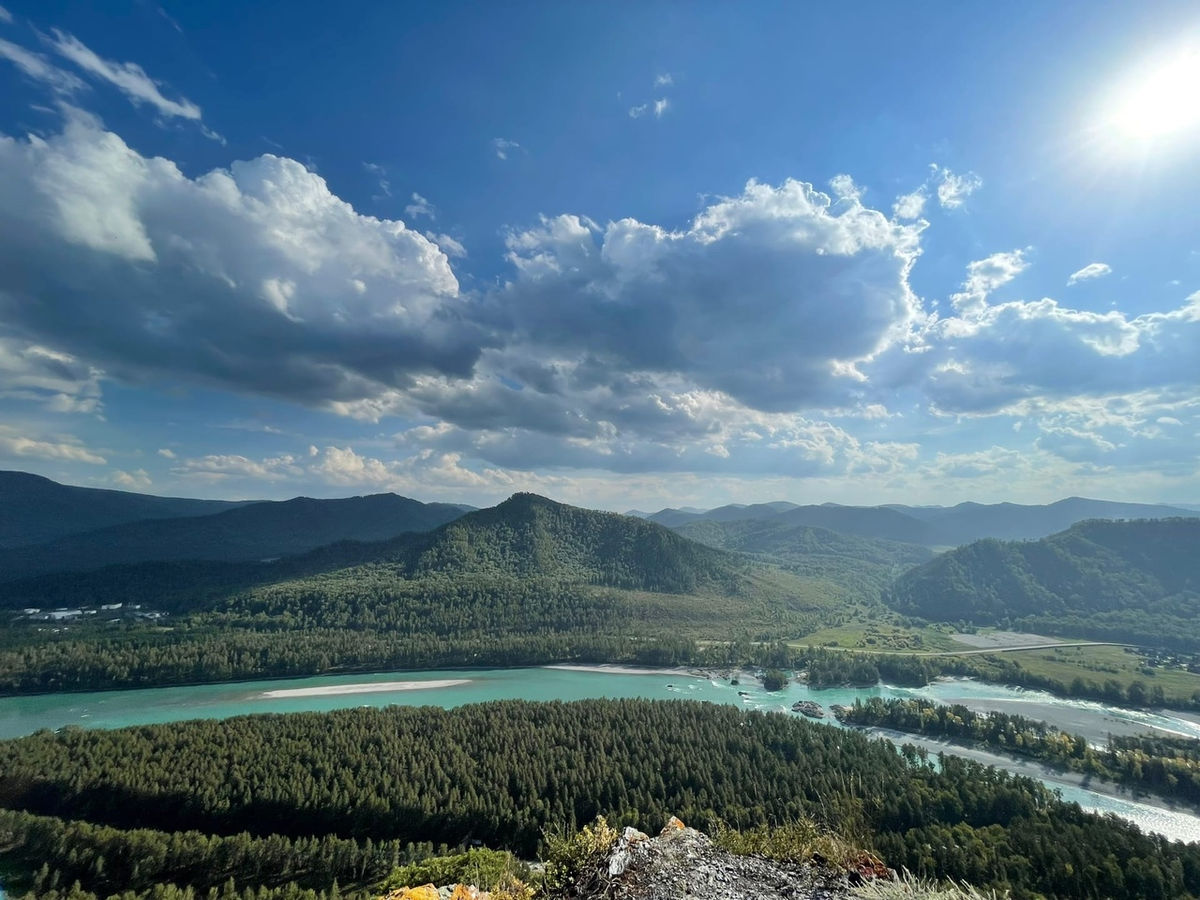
pixel 254 277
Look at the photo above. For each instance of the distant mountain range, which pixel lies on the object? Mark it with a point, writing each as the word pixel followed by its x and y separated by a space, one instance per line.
pixel 34 509
pixel 1129 581
pixel 251 532
pixel 930 526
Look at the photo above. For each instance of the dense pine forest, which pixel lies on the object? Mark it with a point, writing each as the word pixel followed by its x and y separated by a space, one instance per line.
pixel 345 793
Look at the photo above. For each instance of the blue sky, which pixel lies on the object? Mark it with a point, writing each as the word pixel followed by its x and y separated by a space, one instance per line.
pixel 619 254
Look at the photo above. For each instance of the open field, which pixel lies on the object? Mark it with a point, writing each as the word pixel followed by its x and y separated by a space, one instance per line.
pixel 1101 663
pixel 881 637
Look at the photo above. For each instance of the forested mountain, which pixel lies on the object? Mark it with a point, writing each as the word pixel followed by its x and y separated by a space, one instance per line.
pixel 1137 581
pixel 252 532
pixel 531 536
pixel 863 566
pixel 526 565
pixel 34 509
pixel 930 526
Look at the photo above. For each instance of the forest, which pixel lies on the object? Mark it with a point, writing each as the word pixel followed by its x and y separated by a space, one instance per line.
pixel 502 773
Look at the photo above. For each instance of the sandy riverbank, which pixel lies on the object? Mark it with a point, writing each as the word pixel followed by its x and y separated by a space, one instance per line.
pixel 375 687
pixel 629 670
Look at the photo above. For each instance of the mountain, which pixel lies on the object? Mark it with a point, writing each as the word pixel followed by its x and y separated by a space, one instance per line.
pixel 34 509
pixel 1012 521
pixel 1136 581
pixel 528 567
pixel 255 531
pixel 528 536
pixel 931 526
pixel 862 565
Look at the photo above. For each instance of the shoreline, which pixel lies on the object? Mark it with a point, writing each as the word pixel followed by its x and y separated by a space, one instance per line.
pixel 375 687
pixel 1030 768
pixel 621 669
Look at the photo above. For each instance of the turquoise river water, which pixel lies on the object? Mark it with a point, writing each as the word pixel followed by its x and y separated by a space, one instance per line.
pixel 114 709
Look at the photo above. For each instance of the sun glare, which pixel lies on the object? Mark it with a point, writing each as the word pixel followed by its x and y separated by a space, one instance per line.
pixel 1160 101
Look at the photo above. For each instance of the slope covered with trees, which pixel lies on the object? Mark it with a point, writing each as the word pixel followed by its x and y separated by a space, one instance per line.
pixel 1128 581
pixel 859 567
pixel 527 581
pixel 354 788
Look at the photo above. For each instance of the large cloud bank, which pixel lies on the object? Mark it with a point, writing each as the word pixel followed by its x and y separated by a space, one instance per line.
pixel 775 332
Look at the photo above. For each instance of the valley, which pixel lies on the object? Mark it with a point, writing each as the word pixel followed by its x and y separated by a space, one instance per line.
pixel 368 606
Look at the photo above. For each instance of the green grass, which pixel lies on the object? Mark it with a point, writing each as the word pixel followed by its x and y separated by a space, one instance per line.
pixel 1099 664
pixel 881 637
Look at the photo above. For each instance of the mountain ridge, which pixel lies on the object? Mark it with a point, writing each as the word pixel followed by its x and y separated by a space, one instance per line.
pixel 35 509
pixel 269 528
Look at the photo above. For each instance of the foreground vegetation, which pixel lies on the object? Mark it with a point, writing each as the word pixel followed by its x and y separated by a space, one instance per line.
pixel 503 773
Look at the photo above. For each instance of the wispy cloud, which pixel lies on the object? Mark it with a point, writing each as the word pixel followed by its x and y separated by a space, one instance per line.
pixel 381 175
pixel 137 480
pixel 419 207
pixel 954 189
pixel 664 80
pixel 37 67
pixel 5 16
pixel 1090 271
pixel 129 78
pixel 503 147
pixel 657 108
pixel 61 447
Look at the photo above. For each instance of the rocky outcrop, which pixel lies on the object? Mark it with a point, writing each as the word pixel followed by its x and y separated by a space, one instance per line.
pixel 685 863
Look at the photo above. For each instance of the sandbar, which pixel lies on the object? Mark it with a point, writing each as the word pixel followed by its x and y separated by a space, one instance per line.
pixel 375 687
pixel 615 669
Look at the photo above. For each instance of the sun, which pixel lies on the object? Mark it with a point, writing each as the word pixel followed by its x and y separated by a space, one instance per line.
pixel 1160 101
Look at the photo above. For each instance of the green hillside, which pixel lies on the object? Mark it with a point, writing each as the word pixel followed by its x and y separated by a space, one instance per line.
pixel 252 532
pixel 1133 581
pixel 527 581
pixel 530 565
pixel 859 567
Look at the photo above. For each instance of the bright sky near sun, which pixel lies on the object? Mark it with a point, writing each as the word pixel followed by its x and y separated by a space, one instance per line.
pixel 621 254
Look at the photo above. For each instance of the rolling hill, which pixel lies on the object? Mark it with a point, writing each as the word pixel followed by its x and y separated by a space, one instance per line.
pixel 1136 581
pixel 34 509
pixel 861 566
pixel 251 532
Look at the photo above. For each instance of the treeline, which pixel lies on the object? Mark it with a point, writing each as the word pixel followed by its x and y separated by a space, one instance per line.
pixel 502 773
pixel 145 659
pixel 55 853
pixel 1169 767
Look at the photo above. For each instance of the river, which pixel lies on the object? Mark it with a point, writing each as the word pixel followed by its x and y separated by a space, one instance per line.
pixel 115 709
